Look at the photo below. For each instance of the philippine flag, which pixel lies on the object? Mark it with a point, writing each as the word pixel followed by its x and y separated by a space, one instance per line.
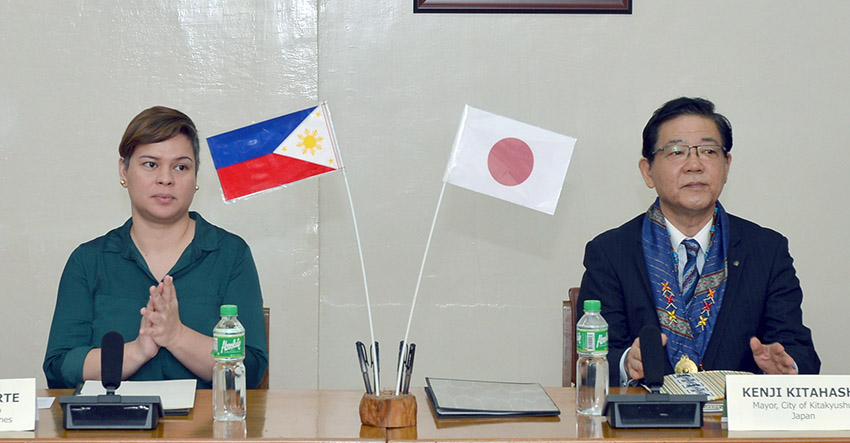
pixel 275 152
pixel 510 160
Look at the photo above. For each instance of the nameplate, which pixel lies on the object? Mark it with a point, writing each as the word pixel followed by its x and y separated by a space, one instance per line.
pixel 788 402
pixel 17 404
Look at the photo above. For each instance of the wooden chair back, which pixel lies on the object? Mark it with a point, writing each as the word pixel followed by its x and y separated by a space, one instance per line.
pixel 264 383
pixel 568 373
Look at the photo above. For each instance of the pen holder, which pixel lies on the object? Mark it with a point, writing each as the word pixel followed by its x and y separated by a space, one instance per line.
pixel 387 410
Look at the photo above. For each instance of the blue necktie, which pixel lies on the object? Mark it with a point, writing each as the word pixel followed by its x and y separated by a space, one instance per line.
pixel 690 275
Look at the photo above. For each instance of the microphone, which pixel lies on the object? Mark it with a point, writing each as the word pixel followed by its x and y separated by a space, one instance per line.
pixel 111 361
pixel 653 356
pixel 110 410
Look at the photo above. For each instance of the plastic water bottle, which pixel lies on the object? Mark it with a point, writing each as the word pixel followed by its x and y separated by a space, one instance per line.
pixel 592 364
pixel 229 372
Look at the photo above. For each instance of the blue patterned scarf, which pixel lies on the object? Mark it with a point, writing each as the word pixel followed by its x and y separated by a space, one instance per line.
pixel 688 328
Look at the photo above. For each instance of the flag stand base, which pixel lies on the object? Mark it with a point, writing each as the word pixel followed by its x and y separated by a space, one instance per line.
pixel 387 410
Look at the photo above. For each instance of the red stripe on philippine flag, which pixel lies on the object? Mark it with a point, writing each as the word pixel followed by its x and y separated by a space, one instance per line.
pixel 266 172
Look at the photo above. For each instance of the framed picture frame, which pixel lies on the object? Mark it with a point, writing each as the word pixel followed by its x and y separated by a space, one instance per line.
pixel 528 6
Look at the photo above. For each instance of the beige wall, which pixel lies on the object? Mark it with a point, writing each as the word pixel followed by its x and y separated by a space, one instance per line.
pixel 74 73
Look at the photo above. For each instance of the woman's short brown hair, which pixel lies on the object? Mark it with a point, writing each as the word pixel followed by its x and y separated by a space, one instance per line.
pixel 158 124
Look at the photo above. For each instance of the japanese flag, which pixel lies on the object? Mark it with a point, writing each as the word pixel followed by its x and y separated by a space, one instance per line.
pixel 510 160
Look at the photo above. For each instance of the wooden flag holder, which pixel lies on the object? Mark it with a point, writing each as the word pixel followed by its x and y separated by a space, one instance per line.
pixel 388 410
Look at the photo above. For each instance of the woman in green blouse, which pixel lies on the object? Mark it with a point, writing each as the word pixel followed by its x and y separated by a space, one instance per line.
pixel 159 279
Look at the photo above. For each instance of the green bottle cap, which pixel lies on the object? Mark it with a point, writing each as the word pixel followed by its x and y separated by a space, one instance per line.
pixel 232 310
pixel 589 305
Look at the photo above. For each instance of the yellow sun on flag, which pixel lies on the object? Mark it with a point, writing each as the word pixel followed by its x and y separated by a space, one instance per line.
pixel 309 142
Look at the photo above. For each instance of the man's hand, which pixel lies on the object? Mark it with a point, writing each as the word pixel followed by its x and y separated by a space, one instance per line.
pixel 772 358
pixel 634 361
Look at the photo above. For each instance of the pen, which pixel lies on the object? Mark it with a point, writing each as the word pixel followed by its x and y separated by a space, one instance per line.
pixel 378 368
pixel 364 366
pixel 402 359
pixel 400 352
pixel 409 367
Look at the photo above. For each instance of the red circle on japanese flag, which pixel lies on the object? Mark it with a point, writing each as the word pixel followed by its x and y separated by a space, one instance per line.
pixel 510 161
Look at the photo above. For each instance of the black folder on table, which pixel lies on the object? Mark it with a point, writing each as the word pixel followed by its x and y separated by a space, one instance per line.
pixel 473 398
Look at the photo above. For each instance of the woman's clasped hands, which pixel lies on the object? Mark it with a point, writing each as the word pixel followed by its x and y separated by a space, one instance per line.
pixel 160 325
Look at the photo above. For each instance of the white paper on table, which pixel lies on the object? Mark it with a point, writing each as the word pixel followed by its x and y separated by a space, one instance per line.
pixel 44 402
pixel 175 394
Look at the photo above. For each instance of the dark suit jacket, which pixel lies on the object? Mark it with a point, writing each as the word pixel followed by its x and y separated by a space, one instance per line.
pixel 762 297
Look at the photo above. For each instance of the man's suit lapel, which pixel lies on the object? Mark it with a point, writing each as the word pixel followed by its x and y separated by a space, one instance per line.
pixel 639 263
pixel 735 259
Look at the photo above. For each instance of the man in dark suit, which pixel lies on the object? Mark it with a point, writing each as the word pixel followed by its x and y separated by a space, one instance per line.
pixel 722 289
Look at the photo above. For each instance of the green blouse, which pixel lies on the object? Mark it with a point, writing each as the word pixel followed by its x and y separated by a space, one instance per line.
pixel 106 282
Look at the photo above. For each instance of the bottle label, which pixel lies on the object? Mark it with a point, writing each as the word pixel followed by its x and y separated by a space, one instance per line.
pixel 591 341
pixel 229 346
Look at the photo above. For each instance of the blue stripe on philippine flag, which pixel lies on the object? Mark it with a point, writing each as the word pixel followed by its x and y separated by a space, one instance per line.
pixel 253 141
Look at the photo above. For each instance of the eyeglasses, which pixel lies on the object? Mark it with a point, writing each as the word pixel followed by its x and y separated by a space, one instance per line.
pixel 678 153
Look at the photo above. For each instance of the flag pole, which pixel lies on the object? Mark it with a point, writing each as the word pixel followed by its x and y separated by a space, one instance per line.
pixel 416 291
pixel 365 285
pixel 359 248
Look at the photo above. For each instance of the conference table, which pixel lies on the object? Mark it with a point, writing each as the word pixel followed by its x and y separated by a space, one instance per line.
pixel 333 416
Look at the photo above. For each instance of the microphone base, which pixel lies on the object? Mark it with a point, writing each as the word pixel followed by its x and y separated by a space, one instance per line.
pixel 110 411
pixel 654 410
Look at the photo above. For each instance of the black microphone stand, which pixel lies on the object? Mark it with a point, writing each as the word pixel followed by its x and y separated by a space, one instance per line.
pixel 654 409
pixel 110 410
